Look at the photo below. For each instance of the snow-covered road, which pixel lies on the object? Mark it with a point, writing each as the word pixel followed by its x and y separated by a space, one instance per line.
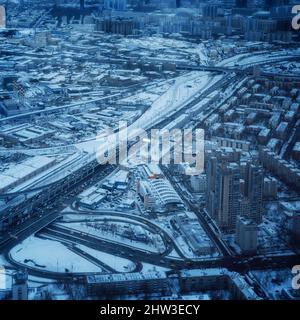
pixel 180 93
pixel 183 90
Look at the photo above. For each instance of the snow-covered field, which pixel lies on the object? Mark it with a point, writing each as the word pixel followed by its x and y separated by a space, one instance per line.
pixel 114 237
pixel 117 263
pixel 174 254
pixel 144 97
pixel 51 256
pixel 160 44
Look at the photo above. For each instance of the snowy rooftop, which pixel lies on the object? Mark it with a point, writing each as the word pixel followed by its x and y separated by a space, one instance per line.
pixel 124 277
pixel 297 147
pixel 25 169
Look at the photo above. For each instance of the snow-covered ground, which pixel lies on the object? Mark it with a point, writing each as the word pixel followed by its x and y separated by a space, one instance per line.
pixel 51 256
pixel 147 267
pixel 183 89
pixel 174 254
pixel 164 45
pixel 37 281
pixel 117 263
pixel 144 97
pixel 181 92
pixel 83 227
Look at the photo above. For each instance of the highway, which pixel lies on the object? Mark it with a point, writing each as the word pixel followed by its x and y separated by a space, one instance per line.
pixel 235 263
pixel 27 229
pixel 148 224
pixel 246 69
pixel 56 202
pixel 73 237
pixel 138 88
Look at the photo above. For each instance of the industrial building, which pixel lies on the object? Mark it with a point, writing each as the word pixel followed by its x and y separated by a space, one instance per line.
pixel 118 181
pixel 92 197
pixel 25 133
pixel 158 194
pixel 14 176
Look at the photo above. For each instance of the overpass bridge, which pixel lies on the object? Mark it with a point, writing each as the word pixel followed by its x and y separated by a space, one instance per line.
pixel 28 199
pixel 246 69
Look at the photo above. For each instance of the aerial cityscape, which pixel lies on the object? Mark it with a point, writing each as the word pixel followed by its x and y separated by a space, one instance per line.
pixel 149 150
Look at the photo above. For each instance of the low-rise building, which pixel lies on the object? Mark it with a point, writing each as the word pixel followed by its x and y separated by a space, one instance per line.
pixel 188 225
pixel 232 143
pixel 281 168
pixel 127 283
pixel 25 134
pixel 246 235
pixel 187 281
pixel 92 197
pixel 14 176
pixel 282 130
pixel 264 135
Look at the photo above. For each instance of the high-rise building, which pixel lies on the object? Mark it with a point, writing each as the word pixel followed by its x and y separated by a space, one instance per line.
pixel 262 26
pixel 115 25
pixel 211 175
pixel 274 3
pixel 210 11
pixel 241 3
pixel 159 4
pixel 198 183
pixel 296 227
pixel 246 235
pixel 81 4
pixel 2 17
pixel 252 192
pixel 229 4
pixel 228 191
pixel 223 190
pixel 119 5
pixel 255 4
